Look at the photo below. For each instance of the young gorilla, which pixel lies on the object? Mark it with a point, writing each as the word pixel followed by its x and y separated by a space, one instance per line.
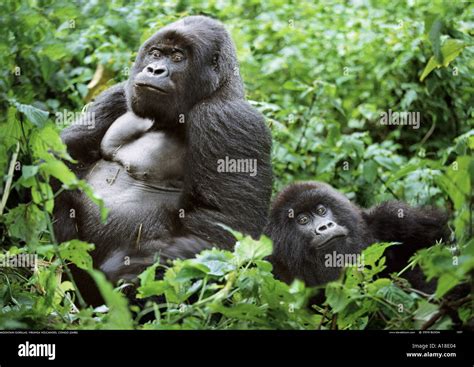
pixel 309 220
pixel 154 150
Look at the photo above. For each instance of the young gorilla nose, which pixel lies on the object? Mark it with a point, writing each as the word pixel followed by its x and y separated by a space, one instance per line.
pixel 326 227
pixel 325 231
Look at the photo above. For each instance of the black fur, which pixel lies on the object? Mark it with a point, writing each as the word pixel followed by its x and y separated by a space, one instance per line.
pixel 207 92
pixel 295 257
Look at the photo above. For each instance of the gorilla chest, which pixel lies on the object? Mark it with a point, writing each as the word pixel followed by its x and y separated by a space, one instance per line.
pixel 155 158
pixel 140 170
pixel 152 157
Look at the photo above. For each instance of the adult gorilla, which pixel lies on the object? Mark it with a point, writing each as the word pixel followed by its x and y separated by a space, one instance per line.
pixel 154 152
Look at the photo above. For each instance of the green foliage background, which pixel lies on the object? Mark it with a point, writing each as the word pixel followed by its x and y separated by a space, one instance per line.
pixel 321 73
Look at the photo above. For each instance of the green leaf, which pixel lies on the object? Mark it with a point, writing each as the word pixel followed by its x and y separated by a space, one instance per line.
pixel 46 141
pixel 249 249
pixel 374 252
pixel 191 270
pixel 119 316
pixel 217 262
pixel 42 195
pixel 294 85
pixel 154 288
pixel 370 171
pixel 435 38
pixel 36 116
pixel 149 286
pixel 446 282
pixel 95 199
pixel 408 168
pixel 425 311
pixel 59 170
pixel 28 174
pixel 10 133
pixel 29 171
pixel 450 50
pixel 78 253
pixel 246 312
pixel 337 297
pixel 397 296
pixel 55 51
pixel 26 222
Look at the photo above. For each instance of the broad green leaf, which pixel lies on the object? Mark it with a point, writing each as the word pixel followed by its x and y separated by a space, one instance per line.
pixel 77 252
pixel 435 38
pixel 446 282
pixel 119 316
pixel 249 249
pixel 337 297
pixel 26 222
pixel 450 50
pixel 59 170
pixel 36 116
pixel 217 262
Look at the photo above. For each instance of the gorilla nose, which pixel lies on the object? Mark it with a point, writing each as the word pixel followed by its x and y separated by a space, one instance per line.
pixel 325 227
pixel 156 69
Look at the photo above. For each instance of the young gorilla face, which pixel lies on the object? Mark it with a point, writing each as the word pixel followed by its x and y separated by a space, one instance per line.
pixel 178 67
pixel 320 226
pixel 308 221
pixel 311 221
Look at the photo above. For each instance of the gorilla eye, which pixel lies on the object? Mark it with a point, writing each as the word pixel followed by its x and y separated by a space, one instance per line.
pixel 177 56
pixel 302 219
pixel 155 53
pixel 321 210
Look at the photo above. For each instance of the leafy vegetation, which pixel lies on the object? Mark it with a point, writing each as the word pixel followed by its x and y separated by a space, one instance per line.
pixel 322 73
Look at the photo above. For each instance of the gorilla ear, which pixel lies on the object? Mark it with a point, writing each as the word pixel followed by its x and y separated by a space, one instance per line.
pixel 215 61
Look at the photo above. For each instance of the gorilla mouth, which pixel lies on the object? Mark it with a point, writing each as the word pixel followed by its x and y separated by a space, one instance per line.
pixel 328 241
pixel 151 87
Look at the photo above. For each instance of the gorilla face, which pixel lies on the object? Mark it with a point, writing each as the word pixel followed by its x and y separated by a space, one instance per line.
pixel 178 67
pixel 320 226
pixel 308 221
pixel 165 68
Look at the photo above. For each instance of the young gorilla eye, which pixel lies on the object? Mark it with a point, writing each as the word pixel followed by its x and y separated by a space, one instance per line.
pixel 177 56
pixel 321 210
pixel 302 219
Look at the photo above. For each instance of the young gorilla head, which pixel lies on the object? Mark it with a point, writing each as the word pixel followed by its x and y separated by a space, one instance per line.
pixel 311 221
pixel 180 65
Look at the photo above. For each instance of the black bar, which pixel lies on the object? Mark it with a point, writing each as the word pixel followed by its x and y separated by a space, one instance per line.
pixel 241 345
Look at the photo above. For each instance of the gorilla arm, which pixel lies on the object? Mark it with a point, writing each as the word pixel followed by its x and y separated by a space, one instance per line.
pixel 414 227
pixel 239 200
pixel 84 136
pixel 83 139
